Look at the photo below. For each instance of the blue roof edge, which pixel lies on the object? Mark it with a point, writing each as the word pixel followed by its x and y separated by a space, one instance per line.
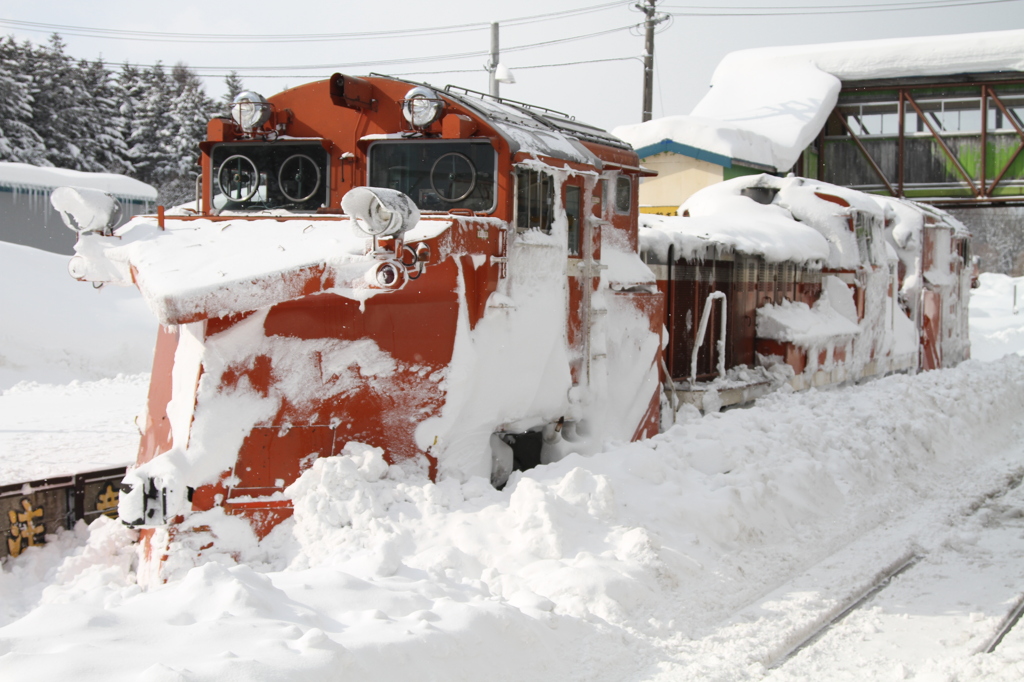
pixel 684 150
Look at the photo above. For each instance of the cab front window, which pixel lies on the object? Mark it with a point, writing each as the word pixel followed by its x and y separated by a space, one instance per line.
pixel 438 175
pixel 270 175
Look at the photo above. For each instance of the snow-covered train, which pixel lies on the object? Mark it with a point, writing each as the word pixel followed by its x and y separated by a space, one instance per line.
pixel 468 284
pixel 771 279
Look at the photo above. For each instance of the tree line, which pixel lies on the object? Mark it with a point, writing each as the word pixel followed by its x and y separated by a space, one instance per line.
pixel 142 122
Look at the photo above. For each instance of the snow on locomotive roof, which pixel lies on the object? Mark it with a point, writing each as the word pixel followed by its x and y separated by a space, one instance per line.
pixel 536 129
pixel 785 94
pixel 25 176
pixel 739 228
pixel 721 218
pixel 805 221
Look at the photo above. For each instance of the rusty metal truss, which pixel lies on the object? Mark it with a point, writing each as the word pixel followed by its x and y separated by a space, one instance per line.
pixel 982 189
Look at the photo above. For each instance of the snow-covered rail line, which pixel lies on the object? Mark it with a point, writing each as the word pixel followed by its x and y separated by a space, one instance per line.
pixel 1012 482
pixel 900 567
pixel 1008 624
pixel 961 599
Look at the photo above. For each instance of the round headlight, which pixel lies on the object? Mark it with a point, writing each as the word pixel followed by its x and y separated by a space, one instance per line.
pixel 421 107
pixel 380 218
pixel 380 211
pixel 387 275
pixel 250 110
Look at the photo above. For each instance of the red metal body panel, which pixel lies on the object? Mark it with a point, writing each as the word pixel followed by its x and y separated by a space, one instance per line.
pixel 931 330
pixel 156 431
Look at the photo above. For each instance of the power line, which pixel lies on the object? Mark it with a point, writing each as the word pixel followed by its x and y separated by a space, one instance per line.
pixel 402 60
pixel 809 10
pixel 813 6
pixel 444 71
pixel 159 36
pixel 518 68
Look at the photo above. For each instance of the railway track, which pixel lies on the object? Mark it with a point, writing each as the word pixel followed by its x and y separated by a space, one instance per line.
pixel 962 597
pixel 900 567
pixel 1007 625
pixel 939 582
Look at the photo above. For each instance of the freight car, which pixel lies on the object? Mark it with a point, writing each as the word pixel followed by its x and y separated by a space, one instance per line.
pixel 467 283
pixel 787 280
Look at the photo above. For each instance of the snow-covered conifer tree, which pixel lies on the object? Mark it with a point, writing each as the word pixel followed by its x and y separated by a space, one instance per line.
pixel 130 91
pixel 18 141
pixel 58 97
pixel 233 84
pixel 190 111
pixel 103 146
pixel 148 145
pixel 43 66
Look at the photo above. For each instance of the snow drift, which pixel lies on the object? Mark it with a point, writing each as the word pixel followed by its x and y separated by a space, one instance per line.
pixel 590 568
pixel 56 329
pixel 627 565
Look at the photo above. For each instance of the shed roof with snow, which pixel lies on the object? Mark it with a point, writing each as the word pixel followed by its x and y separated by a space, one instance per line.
pixel 27 218
pixel 766 105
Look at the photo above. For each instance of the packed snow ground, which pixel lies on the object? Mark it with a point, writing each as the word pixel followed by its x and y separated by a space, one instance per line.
pixel 997 326
pixel 708 552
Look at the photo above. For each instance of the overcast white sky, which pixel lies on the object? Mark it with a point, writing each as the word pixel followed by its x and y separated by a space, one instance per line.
pixel 605 93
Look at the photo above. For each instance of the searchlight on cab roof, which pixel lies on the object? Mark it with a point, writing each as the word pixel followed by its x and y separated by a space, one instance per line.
pixel 421 107
pixel 250 110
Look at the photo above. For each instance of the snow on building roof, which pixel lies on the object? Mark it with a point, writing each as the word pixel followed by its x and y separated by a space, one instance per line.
pixel 785 94
pixel 893 57
pixel 700 138
pixel 26 176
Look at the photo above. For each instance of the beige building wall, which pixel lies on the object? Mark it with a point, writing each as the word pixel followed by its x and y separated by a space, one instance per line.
pixel 678 178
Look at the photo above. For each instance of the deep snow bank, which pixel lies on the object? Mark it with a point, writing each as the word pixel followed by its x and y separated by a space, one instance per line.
pixel 48 430
pixel 591 568
pixel 996 329
pixel 55 329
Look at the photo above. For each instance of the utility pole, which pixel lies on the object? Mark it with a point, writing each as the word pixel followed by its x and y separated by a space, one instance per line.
pixel 650 21
pixel 494 59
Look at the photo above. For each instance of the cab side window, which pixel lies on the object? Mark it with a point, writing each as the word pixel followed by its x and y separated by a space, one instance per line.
pixel 535 200
pixel 573 214
pixel 623 199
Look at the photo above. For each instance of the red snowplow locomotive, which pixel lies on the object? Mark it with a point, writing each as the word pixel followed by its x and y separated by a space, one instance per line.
pixel 462 282
pixel 446 276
